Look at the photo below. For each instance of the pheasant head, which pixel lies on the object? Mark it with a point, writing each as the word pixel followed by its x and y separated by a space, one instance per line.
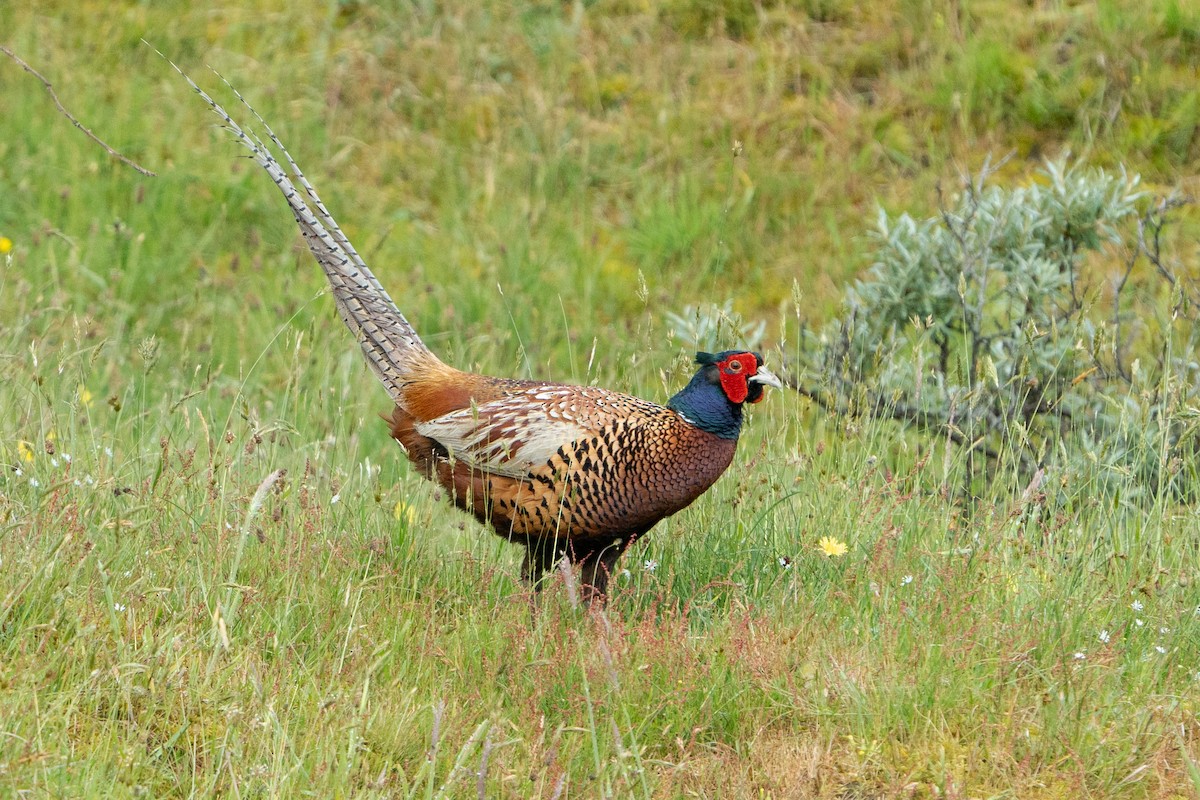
pixel 713 399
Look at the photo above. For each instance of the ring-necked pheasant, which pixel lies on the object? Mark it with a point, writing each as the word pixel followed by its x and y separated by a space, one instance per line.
pixel 566 471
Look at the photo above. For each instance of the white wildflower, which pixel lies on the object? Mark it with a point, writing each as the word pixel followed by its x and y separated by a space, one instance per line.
pixel 650 565
pixel 1104 636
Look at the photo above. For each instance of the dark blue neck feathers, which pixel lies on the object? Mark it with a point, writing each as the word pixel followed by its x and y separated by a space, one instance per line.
pixel 703 403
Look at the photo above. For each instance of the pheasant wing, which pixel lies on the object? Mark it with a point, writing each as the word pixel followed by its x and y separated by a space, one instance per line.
pixel 514 435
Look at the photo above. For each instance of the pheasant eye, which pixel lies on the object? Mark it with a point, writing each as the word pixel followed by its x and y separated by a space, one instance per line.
pixel 735 366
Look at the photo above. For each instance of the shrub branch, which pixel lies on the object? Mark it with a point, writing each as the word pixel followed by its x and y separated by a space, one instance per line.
pixel 63 110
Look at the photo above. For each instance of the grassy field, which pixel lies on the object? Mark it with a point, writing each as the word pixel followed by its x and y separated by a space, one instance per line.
pixel 218 577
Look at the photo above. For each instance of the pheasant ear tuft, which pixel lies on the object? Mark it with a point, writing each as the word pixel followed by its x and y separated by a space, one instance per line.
pixel 704 359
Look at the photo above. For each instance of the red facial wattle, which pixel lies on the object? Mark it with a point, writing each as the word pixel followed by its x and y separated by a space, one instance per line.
pixel 735 373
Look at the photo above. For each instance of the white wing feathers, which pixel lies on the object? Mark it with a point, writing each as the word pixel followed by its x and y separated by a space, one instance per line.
pixel 510 437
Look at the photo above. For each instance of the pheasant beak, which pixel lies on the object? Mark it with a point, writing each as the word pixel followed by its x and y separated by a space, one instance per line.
pixel 766 377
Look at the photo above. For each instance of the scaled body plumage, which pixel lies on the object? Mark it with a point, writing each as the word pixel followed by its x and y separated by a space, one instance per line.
pixel 567 471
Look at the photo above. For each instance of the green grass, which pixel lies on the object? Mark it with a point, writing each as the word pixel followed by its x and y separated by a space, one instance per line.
pixel 515 175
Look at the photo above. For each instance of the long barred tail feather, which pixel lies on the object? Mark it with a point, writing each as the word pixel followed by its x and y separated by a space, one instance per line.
pixel 326 218
pixel 390 343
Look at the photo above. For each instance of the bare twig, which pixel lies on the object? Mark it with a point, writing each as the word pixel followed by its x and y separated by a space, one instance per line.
pixel 1154 221
pixel 50 90
pixel 1130 262
pixel 922 420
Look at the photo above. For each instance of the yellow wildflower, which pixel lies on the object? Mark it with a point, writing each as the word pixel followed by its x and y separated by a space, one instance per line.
pixel 25 451
pixel 403 511
pixel 832 547
pixel 6 245
pixel 85 396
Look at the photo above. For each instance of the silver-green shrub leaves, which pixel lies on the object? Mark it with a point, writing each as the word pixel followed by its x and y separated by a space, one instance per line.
pixel 1010 323
pixel 710 327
